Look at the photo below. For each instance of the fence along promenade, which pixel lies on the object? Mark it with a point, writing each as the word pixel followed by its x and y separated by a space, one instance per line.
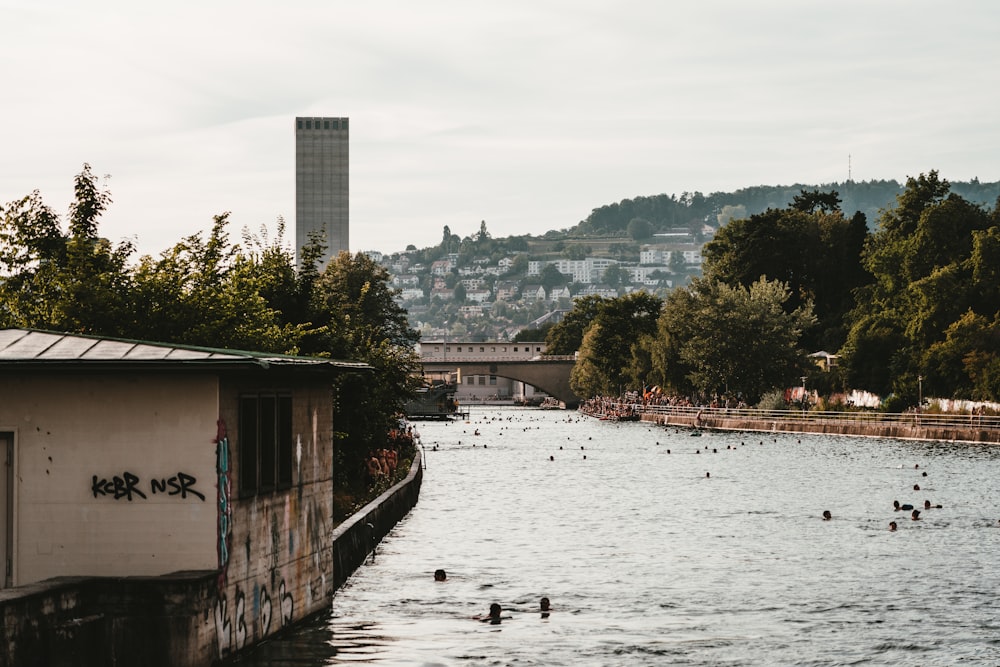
pixel 904 425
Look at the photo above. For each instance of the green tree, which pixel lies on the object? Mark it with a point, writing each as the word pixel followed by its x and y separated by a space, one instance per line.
pixel 67 281
pixel 931 264
pixel 616 276
pixel 605 359
pixel 810 246
pixel 639 229
pixel 714 338
pixel 550 277
pixel 206 291
pixel 354 302
pixel 567 334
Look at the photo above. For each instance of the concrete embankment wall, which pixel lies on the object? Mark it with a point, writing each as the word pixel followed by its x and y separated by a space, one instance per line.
pixel 355 538
pixel 167 620
pixel 914 431
pixel 83 621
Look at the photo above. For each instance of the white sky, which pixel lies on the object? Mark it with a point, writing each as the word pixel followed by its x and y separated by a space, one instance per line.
pixel 525 114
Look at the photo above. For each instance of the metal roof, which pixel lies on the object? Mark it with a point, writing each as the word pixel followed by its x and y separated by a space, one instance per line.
pixel 39 349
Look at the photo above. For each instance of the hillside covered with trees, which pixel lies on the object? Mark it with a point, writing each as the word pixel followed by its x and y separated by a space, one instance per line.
pixel 913 304
pixel 663 213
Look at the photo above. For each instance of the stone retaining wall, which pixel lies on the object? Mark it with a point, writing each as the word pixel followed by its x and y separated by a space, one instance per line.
pixel 355 538
pixel 897 430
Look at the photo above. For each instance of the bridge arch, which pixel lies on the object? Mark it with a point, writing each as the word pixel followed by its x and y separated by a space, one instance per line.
pixel 549 374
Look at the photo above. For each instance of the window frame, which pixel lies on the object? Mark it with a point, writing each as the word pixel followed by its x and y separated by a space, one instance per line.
pixel 266 442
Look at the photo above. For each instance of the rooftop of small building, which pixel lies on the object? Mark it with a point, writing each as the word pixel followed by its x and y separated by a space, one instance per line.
pixel 38 348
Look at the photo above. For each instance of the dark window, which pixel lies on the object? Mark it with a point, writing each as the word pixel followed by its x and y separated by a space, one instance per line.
pixel 326 125
pixel 248 444
pixel 268 421
pixel 299 123
pixel 286 448
pixel 343 123
pixel 309 125
pixel 265 443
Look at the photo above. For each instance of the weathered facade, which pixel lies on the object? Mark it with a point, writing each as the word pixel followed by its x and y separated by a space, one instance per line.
pixel 153 463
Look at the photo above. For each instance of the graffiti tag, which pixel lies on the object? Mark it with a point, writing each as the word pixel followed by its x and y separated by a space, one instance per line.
pixel 127 486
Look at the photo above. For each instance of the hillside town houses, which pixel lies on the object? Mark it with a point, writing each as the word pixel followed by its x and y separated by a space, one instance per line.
pixel 474 287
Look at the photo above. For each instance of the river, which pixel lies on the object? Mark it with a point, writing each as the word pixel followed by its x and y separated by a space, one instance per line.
pixel 657 547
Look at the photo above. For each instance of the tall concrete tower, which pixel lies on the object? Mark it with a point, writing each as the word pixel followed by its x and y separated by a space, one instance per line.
pixel 321 183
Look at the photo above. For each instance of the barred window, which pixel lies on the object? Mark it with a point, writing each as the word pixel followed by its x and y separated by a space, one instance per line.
pixel 265 443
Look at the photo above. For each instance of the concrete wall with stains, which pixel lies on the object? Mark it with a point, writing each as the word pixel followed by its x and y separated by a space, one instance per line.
pixel 275 562
pixel 115 474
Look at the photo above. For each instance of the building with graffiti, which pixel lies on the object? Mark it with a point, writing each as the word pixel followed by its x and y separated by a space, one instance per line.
pixel 195 483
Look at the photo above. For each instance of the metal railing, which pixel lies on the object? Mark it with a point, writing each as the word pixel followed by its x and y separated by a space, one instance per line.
pixel 924 419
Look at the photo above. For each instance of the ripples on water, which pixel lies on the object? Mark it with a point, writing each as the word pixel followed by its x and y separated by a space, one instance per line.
pixel 648 561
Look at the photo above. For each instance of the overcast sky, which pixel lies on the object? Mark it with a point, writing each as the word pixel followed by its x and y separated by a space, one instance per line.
pixel 527 115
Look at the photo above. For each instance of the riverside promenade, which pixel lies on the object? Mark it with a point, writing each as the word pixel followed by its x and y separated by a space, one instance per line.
pixel 906 426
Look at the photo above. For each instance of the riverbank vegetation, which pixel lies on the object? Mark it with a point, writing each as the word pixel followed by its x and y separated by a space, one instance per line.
pixel 912 309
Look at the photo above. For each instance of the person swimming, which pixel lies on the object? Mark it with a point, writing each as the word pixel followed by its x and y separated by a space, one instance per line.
pixel 915 515
pixel 896 506
pixel 544 606
pixel 493 618
pixel 826 515
pixel 440 575
pixel 927 505
pixel 892 526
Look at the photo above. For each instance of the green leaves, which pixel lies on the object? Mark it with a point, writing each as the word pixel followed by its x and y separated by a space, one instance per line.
pixel 935 260
pixel 715 338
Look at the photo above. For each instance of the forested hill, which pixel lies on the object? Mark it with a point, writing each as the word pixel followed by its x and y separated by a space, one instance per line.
pixel 692 210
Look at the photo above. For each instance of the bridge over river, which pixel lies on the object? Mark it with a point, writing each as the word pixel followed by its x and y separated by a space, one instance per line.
pixel 524 362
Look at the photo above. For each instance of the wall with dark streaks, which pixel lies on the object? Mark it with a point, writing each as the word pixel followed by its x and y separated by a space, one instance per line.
pixel 275 561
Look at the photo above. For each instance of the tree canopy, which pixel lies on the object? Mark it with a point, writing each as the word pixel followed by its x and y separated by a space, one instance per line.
pixel 931 308
pixel 810 246
pixel 718 339
pixel 210 292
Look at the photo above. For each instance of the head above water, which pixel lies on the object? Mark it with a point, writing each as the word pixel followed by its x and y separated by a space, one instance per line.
pixel 826 515
pixel 440 575
pixel 544 604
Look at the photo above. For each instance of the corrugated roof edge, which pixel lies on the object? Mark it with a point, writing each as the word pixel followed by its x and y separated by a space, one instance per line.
pixel 174 355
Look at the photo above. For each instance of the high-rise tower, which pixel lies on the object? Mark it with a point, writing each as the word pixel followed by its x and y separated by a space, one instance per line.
pixel 321 183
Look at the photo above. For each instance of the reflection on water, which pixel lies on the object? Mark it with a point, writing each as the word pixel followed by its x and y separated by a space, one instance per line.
pixel 655 547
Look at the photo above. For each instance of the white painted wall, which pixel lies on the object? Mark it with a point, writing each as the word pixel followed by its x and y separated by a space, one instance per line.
pixel 72 427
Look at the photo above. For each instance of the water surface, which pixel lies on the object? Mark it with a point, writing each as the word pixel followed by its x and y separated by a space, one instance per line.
pixel 656 547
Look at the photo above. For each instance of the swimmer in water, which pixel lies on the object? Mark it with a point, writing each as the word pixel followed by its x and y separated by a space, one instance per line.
pixel 927 505
pixel 440 575
pixel 896 506
pixel 826 515
pixel 892 526
pixel 544 606
pixel 915 515
pixel 494 616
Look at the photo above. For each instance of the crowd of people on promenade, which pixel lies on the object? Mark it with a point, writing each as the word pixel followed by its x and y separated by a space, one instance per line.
pixel 381 463
pixel 633 403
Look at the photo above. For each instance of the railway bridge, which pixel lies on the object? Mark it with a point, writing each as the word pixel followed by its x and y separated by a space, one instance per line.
pixel 524 362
